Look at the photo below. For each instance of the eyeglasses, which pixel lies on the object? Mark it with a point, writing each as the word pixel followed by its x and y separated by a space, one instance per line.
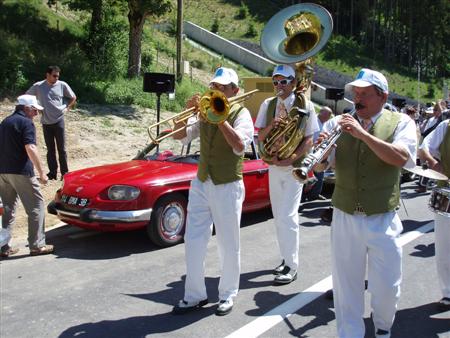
pixel 283 82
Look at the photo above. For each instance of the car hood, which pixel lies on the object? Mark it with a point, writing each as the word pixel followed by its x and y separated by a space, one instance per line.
pixel 133 173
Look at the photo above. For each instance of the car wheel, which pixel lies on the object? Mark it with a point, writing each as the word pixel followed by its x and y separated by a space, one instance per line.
pixel 166 227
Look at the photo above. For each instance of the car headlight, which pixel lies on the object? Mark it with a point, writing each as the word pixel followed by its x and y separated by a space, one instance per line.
pixel 123 193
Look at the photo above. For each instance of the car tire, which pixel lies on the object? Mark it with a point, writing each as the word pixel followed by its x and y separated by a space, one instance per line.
pixel 166 227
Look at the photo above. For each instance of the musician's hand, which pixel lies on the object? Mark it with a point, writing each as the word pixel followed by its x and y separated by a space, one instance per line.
pixel 351 125
pixel 194 101
pixel 322 136
pixel 437 167
pixel 275 122
pixel 281 163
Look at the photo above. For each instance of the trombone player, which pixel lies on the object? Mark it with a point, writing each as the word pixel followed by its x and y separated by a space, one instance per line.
pixel 285 191
pixel 216 196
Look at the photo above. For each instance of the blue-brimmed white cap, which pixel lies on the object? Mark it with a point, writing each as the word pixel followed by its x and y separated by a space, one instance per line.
pixel 284 70
pixel 368 77
pixel 225 76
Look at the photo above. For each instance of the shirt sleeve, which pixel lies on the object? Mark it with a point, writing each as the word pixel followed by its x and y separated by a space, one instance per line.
pixel 192 130
pixel 29 133
pixel 261 118
pixel 68 92
pixel 312 126
pixel 32 90
pixel 243 126
pixel 405 135
pixel 434 139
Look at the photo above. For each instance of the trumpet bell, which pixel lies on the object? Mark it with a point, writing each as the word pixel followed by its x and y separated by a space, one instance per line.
pixel 301 31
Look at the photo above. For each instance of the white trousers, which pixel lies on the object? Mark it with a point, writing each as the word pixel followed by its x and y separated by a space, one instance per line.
pixel 442 250
pixel 222 205
pixel 285 194
pixel 356 241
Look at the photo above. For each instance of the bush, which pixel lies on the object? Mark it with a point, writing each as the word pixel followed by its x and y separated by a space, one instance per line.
pixel 243 12
pixel 251 31
pixel 215 26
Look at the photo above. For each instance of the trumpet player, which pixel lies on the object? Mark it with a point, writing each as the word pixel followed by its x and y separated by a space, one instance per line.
pixel 216 196
pixel 375 144
pixel 285 191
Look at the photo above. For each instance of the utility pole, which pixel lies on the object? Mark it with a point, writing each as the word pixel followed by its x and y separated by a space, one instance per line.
pixel 179 38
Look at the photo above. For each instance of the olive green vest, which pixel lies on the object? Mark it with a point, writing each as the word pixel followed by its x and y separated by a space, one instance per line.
pixel 271 111
pixel 362 178
pixel 217 158
pixel 444 149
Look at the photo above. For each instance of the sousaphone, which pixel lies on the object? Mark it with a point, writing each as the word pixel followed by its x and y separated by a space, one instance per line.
pixel 293 36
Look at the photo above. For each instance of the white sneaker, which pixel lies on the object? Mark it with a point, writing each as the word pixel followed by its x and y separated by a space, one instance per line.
pixel 225 307
pixel 183 306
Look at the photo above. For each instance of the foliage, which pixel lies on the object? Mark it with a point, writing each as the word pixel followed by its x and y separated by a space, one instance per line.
pixel 251 31
pixel 106 46
pixel 243 12
pixel 215 26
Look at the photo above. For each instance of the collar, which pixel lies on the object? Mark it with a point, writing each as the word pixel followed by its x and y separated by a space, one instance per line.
pixel 289 101
pixel 21 113
pixel 373 118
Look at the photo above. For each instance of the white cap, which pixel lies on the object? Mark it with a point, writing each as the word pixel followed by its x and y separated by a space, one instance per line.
pixel 225 76
pixel 284 70
pixel 368 77
pixel 29 100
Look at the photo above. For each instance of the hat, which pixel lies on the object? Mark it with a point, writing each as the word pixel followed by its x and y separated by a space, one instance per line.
pixel 225 76
pixel 368 77
pixel 284 70
pixel 29 100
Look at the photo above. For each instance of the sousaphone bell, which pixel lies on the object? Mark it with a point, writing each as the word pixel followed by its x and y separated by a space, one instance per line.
pixel 293 36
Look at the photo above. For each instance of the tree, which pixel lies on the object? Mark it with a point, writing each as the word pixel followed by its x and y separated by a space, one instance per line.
pixel 139 11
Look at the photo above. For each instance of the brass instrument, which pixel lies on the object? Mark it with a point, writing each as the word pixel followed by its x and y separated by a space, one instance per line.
pixel 318 153
pixel 293 36
pixel 214 107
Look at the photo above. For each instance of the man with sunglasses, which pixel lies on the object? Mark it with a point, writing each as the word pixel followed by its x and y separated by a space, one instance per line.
pixel 285 191
pixel 18 156
pixel 52 94
pixel 216 196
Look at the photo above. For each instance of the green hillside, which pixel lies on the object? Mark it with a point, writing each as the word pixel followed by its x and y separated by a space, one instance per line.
pixel 34 35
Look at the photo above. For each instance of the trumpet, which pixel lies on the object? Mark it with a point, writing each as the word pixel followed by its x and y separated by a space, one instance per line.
pixel 213 106
pixel 318 153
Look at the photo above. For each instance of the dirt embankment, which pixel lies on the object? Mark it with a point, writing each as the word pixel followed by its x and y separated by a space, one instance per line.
pixel 95 135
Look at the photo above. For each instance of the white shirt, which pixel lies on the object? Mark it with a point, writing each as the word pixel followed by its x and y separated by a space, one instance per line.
pixel 243 126
pixel 404 135
pixel 311 125
pixel 431 122
pixel 434 139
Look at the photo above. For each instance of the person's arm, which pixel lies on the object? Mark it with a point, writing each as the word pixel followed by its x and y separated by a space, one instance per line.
pixel 425 156
pixel 232 138
pixel 33 154
pixel 391 153
pixel 240 134
pixel 71 103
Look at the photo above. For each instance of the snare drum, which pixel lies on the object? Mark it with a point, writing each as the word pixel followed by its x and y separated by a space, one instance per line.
pixel 440 201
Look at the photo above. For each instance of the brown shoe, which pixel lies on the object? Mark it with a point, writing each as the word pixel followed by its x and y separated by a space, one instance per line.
pixel 43 250
pixel 8 251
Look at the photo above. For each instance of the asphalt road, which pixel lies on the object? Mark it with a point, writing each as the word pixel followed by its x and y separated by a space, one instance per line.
pixel 119 285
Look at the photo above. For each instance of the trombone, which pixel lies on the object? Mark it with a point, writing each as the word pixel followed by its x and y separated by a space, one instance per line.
pixel 213 106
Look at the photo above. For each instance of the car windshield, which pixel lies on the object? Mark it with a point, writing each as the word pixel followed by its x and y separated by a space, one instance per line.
pixel 174 151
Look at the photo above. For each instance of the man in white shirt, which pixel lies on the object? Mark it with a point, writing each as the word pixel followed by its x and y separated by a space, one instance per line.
pixel 373 147
pixel 435 149
pixel 285 190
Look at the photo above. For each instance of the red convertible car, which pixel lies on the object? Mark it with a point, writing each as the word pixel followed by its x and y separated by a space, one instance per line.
pixel 150 191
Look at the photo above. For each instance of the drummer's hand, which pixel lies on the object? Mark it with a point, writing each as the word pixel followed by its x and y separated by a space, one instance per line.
pixel 438 167
pixel 322 136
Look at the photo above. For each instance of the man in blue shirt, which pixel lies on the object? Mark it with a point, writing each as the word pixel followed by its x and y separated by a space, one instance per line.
pixel 18 156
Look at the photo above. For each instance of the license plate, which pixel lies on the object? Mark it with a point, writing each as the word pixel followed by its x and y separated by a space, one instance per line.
pixel 76 201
